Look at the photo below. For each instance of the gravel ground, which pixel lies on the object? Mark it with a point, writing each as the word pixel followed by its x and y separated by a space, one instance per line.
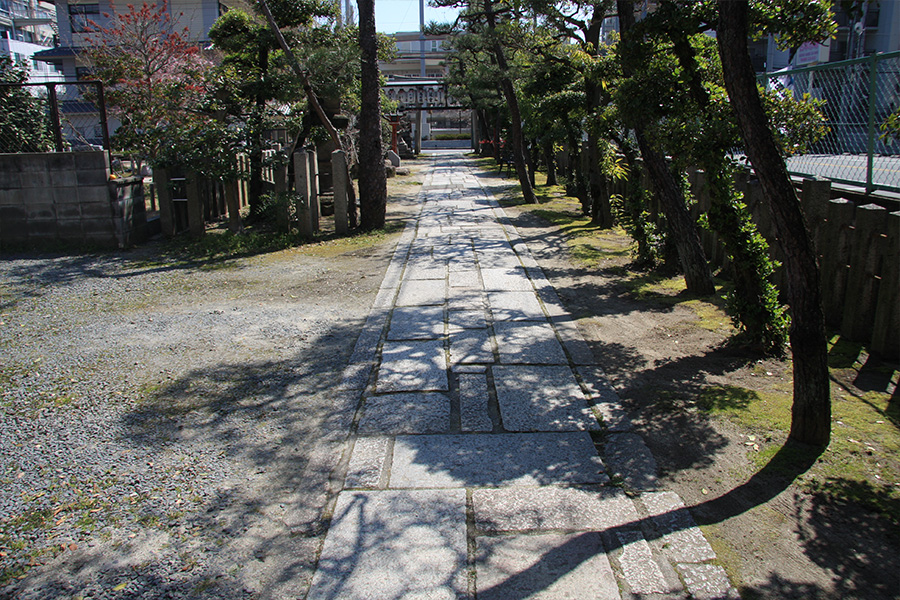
pixel 170 431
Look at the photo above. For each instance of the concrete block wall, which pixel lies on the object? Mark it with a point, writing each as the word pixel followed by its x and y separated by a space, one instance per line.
pixel 47 198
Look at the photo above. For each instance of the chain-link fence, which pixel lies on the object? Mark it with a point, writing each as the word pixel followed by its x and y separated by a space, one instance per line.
pixel 860 95
pixel 52 117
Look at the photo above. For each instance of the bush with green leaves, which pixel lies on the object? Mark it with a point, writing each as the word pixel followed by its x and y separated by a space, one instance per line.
pixel 24 126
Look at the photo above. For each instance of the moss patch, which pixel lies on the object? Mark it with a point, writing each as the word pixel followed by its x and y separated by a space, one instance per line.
pixel 860 465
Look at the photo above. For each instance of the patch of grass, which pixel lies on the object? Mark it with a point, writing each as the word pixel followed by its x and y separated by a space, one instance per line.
pixel 337 246
pixel 218 248
pixel 843 354
pixel 861 463
pixel 710 316
pixel 657 286
pixel 721 399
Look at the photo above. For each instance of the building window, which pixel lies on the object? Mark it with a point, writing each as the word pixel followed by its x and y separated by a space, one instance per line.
pixel 872 17
pixel 80 16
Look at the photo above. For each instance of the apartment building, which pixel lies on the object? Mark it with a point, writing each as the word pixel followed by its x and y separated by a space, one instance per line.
pixel 26 28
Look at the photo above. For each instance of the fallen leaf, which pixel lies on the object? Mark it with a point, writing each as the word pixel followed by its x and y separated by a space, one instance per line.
pixel 73 547
pixel 752 438
pixel 120 587
pixel 704 491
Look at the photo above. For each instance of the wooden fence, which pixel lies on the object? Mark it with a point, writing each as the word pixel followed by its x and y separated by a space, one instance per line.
pixel 859 256
pixel 187 201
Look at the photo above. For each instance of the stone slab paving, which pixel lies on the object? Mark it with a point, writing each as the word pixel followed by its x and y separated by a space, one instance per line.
pixel 408 544
pixel 413 366
pixel 541 398
pixel 479 467
pixel 528 343
pixel 550 508
pixel 451 461
pixel 395 414
pixel 547 566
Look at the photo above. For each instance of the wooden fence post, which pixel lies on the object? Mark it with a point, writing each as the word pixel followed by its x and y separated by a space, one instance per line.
pixel 164 193
pixel 196 225
pixel 836 258
pixel 862 284
pixel 886 334
pixel 814 199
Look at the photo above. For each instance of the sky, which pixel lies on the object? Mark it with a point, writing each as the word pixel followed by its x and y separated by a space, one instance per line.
pixel 392 16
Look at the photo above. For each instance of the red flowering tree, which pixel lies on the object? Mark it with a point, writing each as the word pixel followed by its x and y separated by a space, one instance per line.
pixel 154 78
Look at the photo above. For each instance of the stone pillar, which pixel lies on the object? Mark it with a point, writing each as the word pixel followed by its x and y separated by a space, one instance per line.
pixel 196 225
pixel 339 176
pixel 885 337
pixel 417 144
pixel 862 284
pixel 233 203
pixel 301 186
pixel 282 208
pixel 315 209
pixel 243 187
pixel 164 193
pixel 836 258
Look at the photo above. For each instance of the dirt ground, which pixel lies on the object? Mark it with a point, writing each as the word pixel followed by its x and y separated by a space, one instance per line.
pixel 169 427
pixel 774 539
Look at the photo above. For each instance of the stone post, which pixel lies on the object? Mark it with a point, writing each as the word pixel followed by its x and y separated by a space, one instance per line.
pixel 885 338
pixel 339 175
pixel 196 225
pixel 301 186
pixel 282 208
pixel 862 284
pixel 315 210
pixel 164 193
pixel 233 203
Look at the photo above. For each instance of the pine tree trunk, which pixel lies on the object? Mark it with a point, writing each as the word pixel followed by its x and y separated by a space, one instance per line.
pixel 683 230
pixel 811 412
pixel 551 163
pixel 372 178
pixel 515 115
pixel 598 186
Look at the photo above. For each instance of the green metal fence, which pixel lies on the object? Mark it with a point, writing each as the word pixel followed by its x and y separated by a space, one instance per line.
pixel 859 96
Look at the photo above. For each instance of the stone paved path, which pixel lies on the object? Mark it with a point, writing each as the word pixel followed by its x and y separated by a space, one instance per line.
pixel 490 457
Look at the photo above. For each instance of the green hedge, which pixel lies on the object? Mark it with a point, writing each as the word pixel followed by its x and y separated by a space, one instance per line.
pixel 453 136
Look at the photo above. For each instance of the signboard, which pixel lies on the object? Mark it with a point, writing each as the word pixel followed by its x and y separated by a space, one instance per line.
pixel 419 95
pixel 812 53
